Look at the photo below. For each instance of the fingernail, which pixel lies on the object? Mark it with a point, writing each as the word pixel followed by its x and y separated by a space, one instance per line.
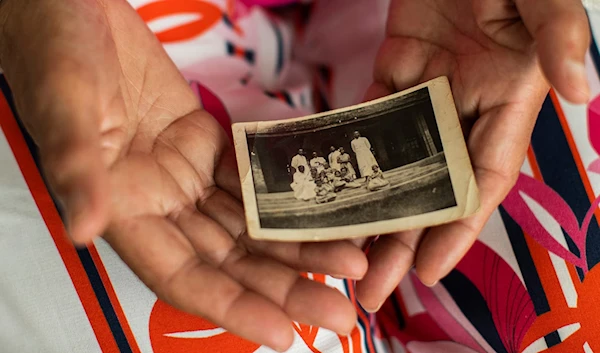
pixel 432 284
pixel 577 78
pixel 279 349
pixel 373 311
pixel 342 277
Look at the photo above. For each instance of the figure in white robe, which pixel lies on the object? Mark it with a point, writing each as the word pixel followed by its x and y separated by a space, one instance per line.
pixel 345 162
pixel 364 156
pixel 303 185
pixel 298 160
pixel 318 163
pixel 333 158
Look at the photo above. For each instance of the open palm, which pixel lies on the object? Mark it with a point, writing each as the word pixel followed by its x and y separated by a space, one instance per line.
pixel 495 53
pixel 128 149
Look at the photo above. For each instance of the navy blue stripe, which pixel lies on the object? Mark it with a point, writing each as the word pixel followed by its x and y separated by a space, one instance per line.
pixel 475 308
pixel 249 56
pixel 280 45
pixel 528 270
pixel 361 323
pixel 398 311
pixel 227 20
pixel 559 171
pixel 230 48
pixel 288 99
pixel 104 300
pixel 84 254
pixel 595 53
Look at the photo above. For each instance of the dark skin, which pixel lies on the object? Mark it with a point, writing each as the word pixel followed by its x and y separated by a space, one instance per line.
pixel 102 89
pixel 132 156
pixel 500 56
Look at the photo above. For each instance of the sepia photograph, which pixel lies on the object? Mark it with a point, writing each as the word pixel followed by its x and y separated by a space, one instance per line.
pixel 378 167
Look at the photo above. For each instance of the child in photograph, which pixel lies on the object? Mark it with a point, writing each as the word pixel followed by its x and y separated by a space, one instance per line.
pixel 303 185
pixel 328 184
pixel 349 179
pixel 324 192
pixel 338 183
pixel 376 181
pixel 329 172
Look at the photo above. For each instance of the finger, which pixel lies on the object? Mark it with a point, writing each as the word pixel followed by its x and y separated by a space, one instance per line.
pixel 561 31
pixel 225 210
pixel 498 145
pixel 280 284
pixel 340 259
pixel 166 262
pixel 304 300
pixel 394 74
pixel 377 90
pixel 390 258
pixel 443 247
pixel 226 174
pixel 211 241
pixel 500 20
pixel 200 139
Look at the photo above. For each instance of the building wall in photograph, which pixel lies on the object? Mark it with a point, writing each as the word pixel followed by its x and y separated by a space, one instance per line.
pixel 398 138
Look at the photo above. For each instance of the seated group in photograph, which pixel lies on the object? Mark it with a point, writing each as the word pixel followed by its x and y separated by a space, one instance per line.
pixel 322 179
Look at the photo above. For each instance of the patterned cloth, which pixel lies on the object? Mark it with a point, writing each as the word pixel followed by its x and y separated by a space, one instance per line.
pixel 527 285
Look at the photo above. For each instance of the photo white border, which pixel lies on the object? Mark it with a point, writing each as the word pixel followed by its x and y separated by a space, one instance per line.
pixel 455 150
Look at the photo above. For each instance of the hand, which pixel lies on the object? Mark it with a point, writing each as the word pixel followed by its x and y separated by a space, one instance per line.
pixel 495 53
pixel 128 149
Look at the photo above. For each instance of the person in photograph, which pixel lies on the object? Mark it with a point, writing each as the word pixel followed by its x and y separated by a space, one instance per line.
pixel 318 162
pixel 364 154
pixel 328 184
pixel 329 171
pixel 376 181
pixel 324 192
pixel 345 161
pixel 338 182
pixel 303 185
pixel 300 159
pixel 333 158
pixel 349 179
pixel 314 174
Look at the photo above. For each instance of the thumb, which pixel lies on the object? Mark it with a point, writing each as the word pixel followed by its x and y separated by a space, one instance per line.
pixel 561 31
pixel 59 75
pixel 69 142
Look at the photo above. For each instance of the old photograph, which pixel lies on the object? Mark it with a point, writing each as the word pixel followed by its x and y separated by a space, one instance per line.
pixel 360 170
